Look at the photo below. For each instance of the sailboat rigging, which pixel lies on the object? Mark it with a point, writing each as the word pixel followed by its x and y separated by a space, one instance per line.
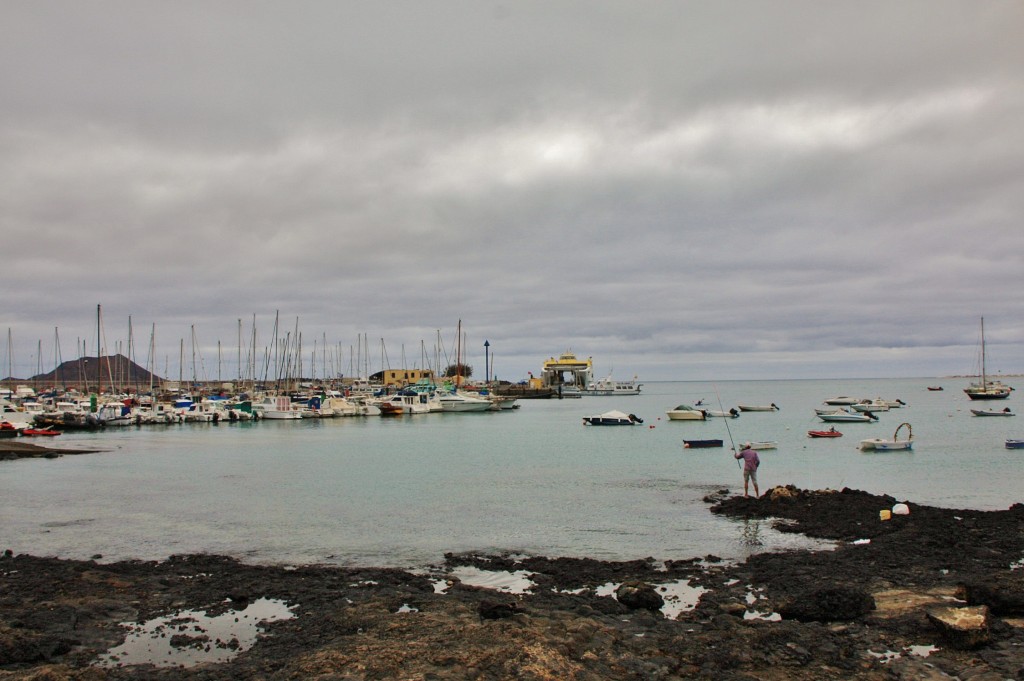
pixel 985 389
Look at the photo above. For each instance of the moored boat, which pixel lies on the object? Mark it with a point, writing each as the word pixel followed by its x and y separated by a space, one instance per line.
pixel 763 444
pixel 612 418
pixel 842 401
pixel 609 387
pixel 759 407
pixel 8 429
pixel 733 413
pixel 877 404
pixel 40 432
pixel 276 407
pixel 847 417
pixel 1014 444
pixel 459 402
pixel 686 412
pixel 701 444
pixel 895 444
pixel 831 432
pixel 992 412
pixel 984 388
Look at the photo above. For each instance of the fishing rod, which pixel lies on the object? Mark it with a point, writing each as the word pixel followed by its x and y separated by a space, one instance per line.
pixel 727 429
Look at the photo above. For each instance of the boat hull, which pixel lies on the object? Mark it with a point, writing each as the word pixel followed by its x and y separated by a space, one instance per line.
pixel 847 418
pixel 886 445
pixel 1015 444
pixel 679 415
pixel 758 407
pixel 986 412
pixel 702 444
pixel 824 433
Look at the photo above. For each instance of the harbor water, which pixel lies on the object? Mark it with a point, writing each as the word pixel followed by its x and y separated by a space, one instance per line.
pixel 402 491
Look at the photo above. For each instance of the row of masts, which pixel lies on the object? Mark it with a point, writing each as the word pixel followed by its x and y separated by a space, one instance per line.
pixel 279 366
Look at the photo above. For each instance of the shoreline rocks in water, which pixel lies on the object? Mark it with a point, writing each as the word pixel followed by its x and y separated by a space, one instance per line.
pixel 26 450
pixel 872 608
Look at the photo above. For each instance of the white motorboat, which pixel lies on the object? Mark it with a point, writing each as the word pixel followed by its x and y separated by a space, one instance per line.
pixel 277 407
pixel 459 402
pixel 612 418
pixel 992 412
pixel 759 407
pixel 607 387
pixel 843 401
pixel 871 405
pixel 841 416
pixel 114 414
pixel 408 402
pixel 895 444
pixel 733 413
pixel 686 412
pixel 763 444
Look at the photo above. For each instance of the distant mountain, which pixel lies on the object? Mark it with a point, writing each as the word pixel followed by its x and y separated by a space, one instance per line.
pixel 116 369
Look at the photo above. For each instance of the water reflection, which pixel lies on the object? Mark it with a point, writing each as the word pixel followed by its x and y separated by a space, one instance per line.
pixel 190 637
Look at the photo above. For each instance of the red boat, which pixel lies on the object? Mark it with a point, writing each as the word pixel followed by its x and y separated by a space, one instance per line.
pixel 831 432
pixel 40 432
pixel 8 429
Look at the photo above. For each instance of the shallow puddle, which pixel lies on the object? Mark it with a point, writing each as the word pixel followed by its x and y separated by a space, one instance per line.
pixel 191 637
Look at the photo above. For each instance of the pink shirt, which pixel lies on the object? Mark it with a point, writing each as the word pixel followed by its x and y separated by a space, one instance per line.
pixel 750 459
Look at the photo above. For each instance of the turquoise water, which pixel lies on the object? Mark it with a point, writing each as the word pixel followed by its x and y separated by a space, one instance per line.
pixel 402 491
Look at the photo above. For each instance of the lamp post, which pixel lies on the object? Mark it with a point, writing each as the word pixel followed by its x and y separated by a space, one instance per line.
pixel 487 358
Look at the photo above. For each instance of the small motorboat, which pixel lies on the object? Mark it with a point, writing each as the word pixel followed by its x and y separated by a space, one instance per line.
pixel 870 405
pixel 759 407
pixel 612 418
pixel 685 412
pixel 731 414
pixel 701 444
pixel 843 401
pixel 40 432
pixel 1014 444
pixel 763 444
pixel 8 429
pixel 841 416
pixel 831 432
pixel 895 444
pixel 935 388
pixel 992 412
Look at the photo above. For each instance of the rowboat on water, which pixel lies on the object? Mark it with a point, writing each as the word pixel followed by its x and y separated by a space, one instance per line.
pixel 759 407
pixel 1014 444
pixel 701 444
pixel 832 432
pixel 895 444
pixel 40 432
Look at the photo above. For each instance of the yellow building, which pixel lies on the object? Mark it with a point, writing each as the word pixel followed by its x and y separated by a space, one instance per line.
pixel 396 378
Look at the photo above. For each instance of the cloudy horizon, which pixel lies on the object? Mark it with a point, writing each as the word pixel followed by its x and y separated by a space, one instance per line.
pixel 680 191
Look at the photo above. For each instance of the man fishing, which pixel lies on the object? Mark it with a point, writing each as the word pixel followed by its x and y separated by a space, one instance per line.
pixel 750 464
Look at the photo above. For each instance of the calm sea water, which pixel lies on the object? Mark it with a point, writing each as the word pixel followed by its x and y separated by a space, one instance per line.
pixel 402 491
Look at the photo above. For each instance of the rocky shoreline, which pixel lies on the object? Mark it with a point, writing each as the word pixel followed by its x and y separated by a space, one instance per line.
pixel 26 450
pixel 875 607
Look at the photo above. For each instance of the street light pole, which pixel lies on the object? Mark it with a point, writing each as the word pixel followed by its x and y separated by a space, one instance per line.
pixel 487 358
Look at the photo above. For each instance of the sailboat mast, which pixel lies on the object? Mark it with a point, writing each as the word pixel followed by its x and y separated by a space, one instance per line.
pixel 99 368
pixel 984 379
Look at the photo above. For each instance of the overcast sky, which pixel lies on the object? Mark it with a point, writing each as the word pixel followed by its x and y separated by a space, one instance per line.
pixel 681 190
